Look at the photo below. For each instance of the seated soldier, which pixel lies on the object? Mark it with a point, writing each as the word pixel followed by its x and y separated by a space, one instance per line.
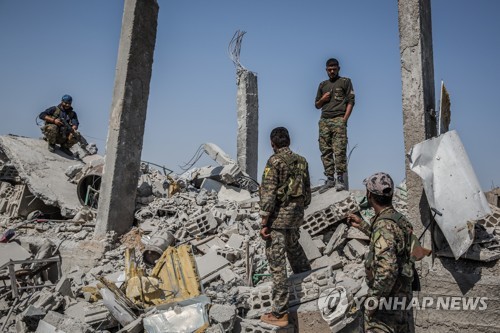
pixel 61 124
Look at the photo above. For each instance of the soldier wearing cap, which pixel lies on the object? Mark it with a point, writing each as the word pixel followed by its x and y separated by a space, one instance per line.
pixel 389 266
pixel 61 125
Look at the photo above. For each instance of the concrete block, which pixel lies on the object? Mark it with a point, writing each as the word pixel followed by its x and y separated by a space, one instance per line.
pixel 210 263
pixel 336 240
pixel 308 245
pixel 318 220
pixel 201 224
pixel 307 286
pixel 355 233
pixel 232 255
pixel 226 192
pixel 354 249
pixel 12 251
pixel 206 244
pixel 333 260
pixel 224 315
pixel 303 287
pixel 348 283
pixel 307 318
pixel 260 300
pixel 227 275
pixel 63 287
pixel 32 316
pixel 56 322
pixel 236 241
pixel 319 244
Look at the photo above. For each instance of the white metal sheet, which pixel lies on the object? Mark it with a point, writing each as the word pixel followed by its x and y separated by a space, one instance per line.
pixel 451 187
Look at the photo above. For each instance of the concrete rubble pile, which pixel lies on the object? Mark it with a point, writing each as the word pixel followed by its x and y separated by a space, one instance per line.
pixel 194 261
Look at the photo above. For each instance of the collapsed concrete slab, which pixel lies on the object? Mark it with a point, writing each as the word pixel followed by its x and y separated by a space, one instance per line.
pixel 43 172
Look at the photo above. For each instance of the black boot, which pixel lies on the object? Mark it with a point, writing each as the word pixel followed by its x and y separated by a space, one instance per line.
pixel 340 186
pixel 330 182
pixel 66 150
pixel 52 147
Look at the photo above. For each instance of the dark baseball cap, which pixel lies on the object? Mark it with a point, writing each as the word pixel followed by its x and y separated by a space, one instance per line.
pixel 380 184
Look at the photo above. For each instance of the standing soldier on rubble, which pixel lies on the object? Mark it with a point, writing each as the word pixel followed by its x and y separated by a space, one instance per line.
pixel 61 125
pixel 284 193
pixel 389 264
pixel 335 98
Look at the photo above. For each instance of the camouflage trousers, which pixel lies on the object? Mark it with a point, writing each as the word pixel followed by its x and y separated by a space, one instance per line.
pixel 54 134
pixel 333 145
pixel 388 321
pixel 284 243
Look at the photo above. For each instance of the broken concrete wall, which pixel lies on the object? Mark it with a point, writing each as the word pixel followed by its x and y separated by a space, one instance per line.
pixel 41 172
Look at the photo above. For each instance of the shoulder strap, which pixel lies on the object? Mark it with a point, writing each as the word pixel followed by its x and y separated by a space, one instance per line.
pixel 57 112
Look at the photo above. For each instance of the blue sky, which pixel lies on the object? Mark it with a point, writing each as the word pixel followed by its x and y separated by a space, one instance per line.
pixel 50 48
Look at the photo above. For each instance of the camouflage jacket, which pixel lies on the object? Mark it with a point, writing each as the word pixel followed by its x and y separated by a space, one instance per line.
pixel 281 215
pixel 388 259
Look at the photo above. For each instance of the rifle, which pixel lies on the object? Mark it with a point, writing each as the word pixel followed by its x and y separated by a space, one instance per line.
pixel 70 133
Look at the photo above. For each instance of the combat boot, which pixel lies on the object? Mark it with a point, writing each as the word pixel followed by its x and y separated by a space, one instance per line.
pixel 52 147
pixel 276 320
pixel 66 150
pixel 340 186
pixel 329 183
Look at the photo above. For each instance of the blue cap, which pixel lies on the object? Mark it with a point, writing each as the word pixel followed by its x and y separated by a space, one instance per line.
pixel 67 99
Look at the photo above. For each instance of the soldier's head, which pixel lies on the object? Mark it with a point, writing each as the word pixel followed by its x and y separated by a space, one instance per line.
pixel 332 68
pixel 379 189
pixel 66 101
pixel 280 138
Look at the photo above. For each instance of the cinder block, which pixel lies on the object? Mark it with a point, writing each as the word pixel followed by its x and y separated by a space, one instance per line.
pixel 210 263
pixel 354 249
pixel 63 287
pixel 319 220
pixel 236 241
pixel 355 233
pixel 333 260
pixel 308 245
pixel 201 224
pixel 336 240
pixel 303 287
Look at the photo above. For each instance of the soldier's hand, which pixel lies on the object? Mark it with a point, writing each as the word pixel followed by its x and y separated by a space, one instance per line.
pixel 58 122
pixel 265 233
pixel 326 97
pixel 354 220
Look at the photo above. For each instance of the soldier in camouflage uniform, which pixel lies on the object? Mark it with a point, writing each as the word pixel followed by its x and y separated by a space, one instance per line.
pixel 61 125
pixel 389 266
pixel 335 98
pixel 284 193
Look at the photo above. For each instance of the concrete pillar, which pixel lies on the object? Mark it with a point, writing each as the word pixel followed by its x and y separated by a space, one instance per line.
pixel 127 118
pixel 417 73
pixel 248 122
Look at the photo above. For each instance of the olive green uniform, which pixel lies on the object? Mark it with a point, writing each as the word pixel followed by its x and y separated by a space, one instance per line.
pixel 332 127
